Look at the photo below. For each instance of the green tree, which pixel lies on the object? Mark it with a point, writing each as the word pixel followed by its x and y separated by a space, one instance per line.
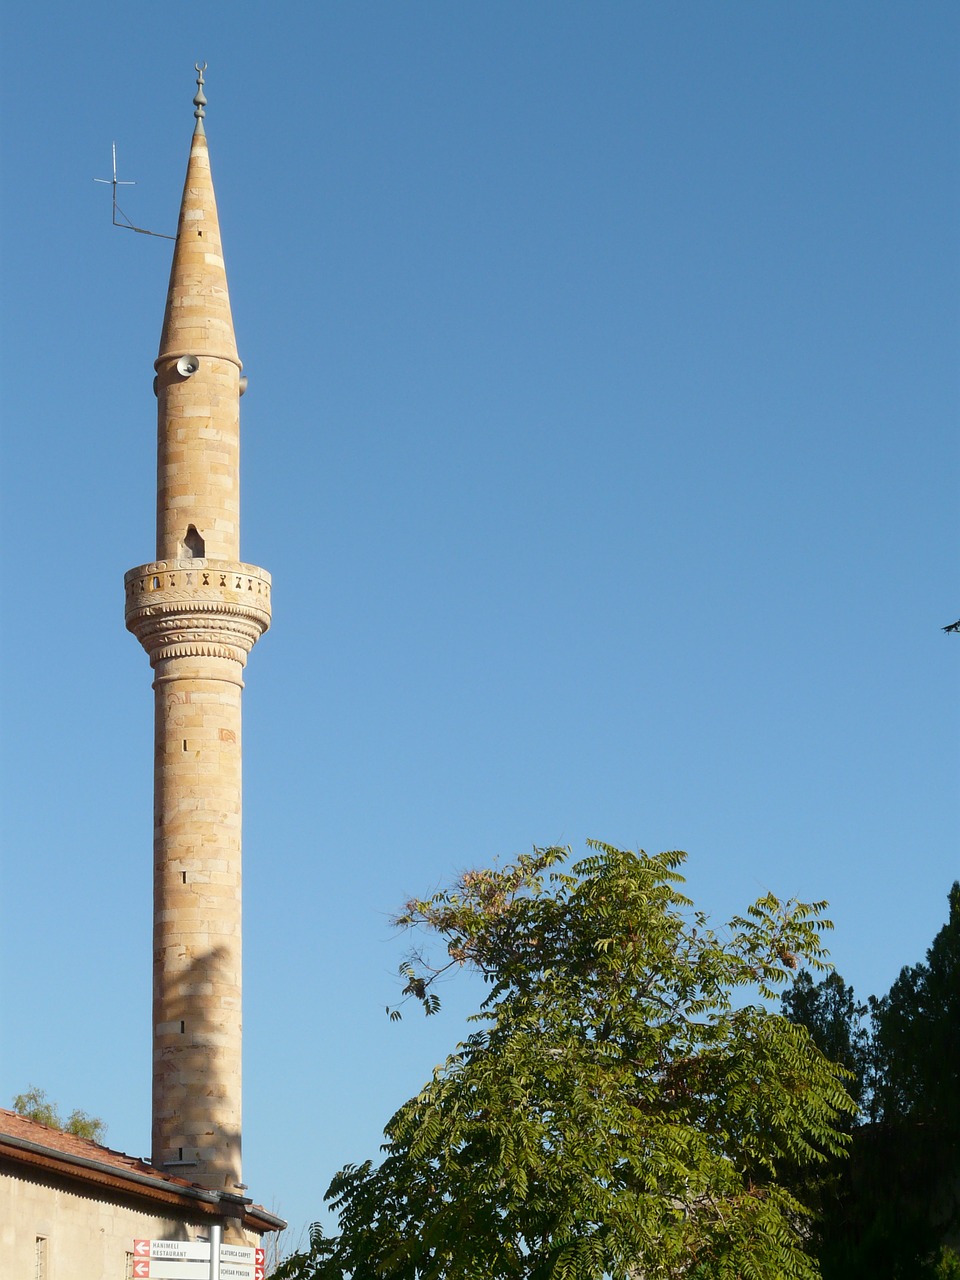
pixel 836 1021
pixel 907 1195
pixel 34 1105
pixel 917 1033
pixel 618 1113
pixel 885 1213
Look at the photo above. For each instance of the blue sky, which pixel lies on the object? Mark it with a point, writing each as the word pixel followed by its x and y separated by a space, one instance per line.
pixel 601 440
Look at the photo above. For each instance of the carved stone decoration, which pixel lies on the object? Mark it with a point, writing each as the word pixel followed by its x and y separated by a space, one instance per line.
pixel 197 608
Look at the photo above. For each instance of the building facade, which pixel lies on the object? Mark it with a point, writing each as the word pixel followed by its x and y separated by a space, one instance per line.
pixel 71 1209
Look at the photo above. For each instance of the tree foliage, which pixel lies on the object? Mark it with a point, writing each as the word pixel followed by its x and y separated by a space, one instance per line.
pixel 917 1033
pixel 35 1105
pixel 835 1019
pixel 888 1212
pixel 626 1104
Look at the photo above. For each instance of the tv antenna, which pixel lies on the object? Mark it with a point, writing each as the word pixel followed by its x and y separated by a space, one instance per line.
pixel 123 221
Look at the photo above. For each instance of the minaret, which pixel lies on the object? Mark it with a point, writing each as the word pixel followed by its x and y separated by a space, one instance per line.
pixel 198 612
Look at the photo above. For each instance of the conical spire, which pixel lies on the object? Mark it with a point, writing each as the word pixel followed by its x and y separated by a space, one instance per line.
pixel 198 382
pixel 197 320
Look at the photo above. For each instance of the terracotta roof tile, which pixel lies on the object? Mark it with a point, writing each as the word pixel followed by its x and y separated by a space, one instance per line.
pixel 16 1126
pixel 111 1165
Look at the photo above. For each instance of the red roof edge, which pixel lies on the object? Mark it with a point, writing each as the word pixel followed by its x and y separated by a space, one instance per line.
pixel 29 1143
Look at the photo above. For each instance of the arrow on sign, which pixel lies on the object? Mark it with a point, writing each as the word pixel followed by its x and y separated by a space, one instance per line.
pixel 141 1268
pixel 141 1248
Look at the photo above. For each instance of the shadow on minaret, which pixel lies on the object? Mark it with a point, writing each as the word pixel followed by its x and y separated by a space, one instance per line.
pixel 197 1074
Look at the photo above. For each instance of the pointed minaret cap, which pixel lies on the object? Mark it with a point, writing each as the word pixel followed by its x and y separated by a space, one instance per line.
pixel 197 320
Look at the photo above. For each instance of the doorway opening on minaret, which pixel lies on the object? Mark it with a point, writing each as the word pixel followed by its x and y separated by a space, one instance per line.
pixel 193 544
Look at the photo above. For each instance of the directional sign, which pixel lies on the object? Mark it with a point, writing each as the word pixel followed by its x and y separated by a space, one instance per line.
pixel 190 1260
pixel 179 1250
pixel 238 1253
pixel 173 1269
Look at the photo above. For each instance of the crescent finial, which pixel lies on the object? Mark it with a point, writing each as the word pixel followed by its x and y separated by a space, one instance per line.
pixel 200 100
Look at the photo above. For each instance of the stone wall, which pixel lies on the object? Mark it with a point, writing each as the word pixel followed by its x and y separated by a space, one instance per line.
pixel 86 1234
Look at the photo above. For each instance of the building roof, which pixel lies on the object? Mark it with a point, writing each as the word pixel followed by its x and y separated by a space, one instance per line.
pixel 29 1144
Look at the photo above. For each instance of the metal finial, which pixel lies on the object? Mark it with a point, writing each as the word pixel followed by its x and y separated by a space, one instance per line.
pixel 200 100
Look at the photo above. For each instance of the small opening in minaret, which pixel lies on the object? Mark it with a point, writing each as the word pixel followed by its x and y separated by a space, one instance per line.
pixel 184 744
pixel 193 544
pixel 184 875
pixel 183 1027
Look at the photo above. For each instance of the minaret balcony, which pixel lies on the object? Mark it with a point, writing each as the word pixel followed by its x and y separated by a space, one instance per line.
pixel 197 608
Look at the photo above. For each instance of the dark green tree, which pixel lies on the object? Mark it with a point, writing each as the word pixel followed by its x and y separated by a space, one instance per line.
pixel 887 1213
pixel 836 1021
pixel 917 1034
pixel 627 1103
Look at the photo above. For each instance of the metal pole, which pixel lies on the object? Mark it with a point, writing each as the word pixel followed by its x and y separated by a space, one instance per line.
pixel 216 1235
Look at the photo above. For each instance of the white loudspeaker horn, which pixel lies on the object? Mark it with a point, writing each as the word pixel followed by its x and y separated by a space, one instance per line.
pixel 187 366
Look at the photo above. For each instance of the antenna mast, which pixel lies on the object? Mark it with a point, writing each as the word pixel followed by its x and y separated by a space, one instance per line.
pixel 126 224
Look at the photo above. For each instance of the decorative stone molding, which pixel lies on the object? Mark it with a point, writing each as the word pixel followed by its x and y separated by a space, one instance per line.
pixel 175 355
pixel 197 608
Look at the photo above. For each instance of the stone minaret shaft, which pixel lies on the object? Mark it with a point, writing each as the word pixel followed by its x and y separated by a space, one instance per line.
pixel 198 612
